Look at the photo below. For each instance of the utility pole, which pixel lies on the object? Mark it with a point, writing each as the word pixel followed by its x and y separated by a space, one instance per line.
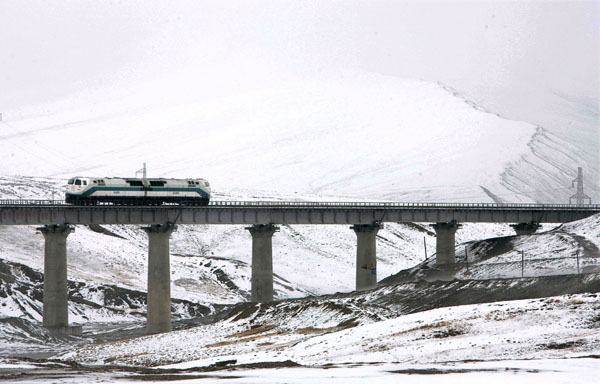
pixel 579 197
pixel 143 171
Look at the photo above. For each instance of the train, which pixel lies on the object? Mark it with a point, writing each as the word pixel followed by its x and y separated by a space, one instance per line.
pixel 137 191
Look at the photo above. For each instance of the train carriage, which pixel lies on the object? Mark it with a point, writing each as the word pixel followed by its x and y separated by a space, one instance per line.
pixel 136 191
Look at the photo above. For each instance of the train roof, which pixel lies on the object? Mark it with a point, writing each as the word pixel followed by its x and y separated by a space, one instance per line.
pixel 135 178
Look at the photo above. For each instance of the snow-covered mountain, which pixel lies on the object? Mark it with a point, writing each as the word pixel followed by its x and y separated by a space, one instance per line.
pixel 358 135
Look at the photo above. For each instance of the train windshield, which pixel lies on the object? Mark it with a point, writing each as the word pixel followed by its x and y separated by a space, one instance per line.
pixel 71 181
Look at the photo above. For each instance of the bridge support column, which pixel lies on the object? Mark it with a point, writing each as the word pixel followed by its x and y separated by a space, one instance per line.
pixel 526 228
pixel 445 242
pixel 366 255
pixel 158 318
pixel 262 262
pixel 56 307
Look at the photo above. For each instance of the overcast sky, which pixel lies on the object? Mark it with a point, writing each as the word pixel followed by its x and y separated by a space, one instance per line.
pixel 51 48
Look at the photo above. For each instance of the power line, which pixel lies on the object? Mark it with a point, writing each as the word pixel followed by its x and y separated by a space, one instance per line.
pixel 25 135
pixel 31 153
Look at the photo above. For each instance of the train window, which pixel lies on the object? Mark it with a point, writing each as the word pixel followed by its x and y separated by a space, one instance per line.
pixel 157 183
pixel 84 182
pixel 71 181
pixel 135 183
pixel 77 182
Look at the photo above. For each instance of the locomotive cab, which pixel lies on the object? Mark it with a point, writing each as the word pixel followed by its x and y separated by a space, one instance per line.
pixel 75 188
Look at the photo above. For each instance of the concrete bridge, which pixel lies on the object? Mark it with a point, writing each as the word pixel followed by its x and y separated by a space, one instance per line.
pixel 57 219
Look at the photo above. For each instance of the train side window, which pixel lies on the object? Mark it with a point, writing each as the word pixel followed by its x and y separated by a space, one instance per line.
pixel 135 183
pixel 84 182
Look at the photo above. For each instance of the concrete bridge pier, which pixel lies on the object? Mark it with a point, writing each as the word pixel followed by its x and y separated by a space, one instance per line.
pixel 366 255
pixel 56 307
pixel 159 278
pixel 526 228
pixel 445 242
pixel 262 262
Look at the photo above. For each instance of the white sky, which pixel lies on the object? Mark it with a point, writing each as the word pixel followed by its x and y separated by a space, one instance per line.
pixel 50 48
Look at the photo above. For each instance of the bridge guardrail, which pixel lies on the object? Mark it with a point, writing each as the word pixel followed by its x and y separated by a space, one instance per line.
pixel 312 204
pixel 31 202
pixel 333 204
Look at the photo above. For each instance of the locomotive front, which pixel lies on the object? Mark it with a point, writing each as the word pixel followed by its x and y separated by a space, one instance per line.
pixel 77 187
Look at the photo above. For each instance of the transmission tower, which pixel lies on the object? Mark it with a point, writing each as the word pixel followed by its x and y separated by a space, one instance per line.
pixel 579 197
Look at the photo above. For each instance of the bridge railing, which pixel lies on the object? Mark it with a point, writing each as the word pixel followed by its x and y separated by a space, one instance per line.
pixel 312 204
pixel 340 204
pixel 32 202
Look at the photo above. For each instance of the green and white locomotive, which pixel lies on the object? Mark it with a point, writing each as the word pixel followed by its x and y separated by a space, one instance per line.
pixel 137 191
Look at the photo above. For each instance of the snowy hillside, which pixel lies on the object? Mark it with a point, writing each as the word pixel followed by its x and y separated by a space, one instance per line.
pixel 357 135
pixel 388 330
pixel 352 339
pixel 325 335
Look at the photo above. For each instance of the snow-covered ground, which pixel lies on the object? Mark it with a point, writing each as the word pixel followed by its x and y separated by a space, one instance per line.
pixel 551 371
pixel 556 327
pixel 553 339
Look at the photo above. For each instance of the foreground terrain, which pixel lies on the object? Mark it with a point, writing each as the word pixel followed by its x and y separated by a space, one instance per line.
pixel 521 306
pixel 378 335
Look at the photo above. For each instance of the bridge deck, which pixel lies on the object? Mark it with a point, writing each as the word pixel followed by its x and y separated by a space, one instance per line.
pixel 40 212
